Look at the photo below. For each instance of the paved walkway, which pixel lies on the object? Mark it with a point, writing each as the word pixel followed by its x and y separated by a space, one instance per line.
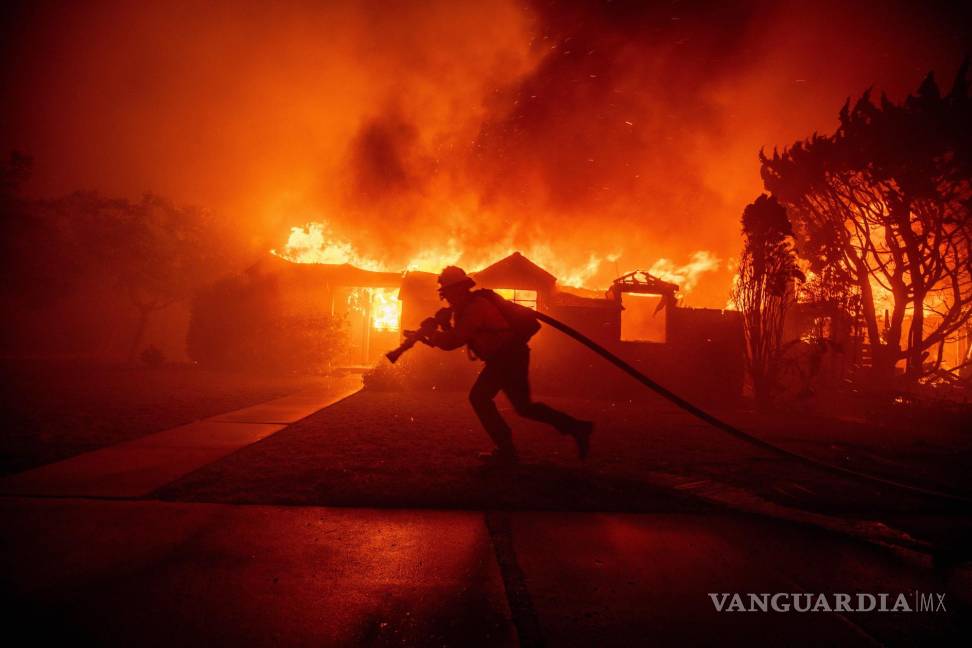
pixel 160 573
pixel 138 467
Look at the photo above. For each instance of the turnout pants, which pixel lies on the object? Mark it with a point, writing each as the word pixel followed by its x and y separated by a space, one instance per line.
pixel 508 372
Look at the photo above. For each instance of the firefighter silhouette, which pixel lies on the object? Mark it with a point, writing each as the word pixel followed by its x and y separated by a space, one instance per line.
pixel 497 332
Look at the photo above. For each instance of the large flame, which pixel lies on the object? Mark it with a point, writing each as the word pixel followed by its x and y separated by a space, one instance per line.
pixel 386 309
pixel 685 276
pixel 317 243
pixel 456 131
pixel 380 305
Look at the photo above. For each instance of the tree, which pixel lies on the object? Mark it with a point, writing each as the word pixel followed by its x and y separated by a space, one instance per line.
pixel 39 254
pixel 151 252
pixel 76 268
pixel 159 253
pixel 764 289
pixel 885 204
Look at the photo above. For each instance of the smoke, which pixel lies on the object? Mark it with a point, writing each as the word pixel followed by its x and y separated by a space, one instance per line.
pixel 386 161
pixel 600 136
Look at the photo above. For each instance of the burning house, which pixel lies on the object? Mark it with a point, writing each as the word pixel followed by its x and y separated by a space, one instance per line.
pixel 363 304
pixel 696 350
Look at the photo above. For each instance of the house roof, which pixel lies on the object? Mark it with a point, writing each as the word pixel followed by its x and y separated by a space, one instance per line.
pixel 515 271
pixel 343 274
pixel 640 281
pixel 420 285
pixel 574 300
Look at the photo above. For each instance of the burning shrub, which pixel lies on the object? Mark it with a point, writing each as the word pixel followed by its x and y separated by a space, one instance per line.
pixel 884 204
pixel 238 323
pixel 301 343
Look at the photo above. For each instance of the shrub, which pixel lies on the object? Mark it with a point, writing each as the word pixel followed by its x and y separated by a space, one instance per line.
pixel 386 377
pixel 238 323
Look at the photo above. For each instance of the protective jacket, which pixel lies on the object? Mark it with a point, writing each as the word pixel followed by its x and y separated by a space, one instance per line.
pixel 479 325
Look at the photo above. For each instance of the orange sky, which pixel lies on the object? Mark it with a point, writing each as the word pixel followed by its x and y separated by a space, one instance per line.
pixel 585 128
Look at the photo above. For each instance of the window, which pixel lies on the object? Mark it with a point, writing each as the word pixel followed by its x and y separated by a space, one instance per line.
pixel 526 298
pixel 641 321
pixel 386 309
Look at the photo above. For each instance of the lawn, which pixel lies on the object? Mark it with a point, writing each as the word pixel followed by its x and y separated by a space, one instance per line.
pixel 417 449
pixel 54 410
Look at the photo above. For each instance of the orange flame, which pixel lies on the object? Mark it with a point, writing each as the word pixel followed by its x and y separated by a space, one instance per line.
pixel 386 309
pixel 381 304
pixel 317 243
pixel 685 276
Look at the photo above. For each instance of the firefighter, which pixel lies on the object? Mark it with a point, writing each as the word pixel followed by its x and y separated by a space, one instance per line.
pixel 497 331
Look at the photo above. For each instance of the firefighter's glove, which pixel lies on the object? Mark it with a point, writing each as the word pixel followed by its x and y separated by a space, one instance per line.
pixel 443 317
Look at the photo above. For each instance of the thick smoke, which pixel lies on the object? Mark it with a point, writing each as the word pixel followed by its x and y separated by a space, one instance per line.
pixel 586 131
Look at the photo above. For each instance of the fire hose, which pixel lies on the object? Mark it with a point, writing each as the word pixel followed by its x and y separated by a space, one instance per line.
pixel 733 430
pixel 421 335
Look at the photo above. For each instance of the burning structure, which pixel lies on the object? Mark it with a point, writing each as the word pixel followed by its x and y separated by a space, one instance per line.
pixel 366 300
pixel 697 350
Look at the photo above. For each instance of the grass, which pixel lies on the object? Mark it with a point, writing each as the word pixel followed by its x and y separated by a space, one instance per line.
pixel 418 449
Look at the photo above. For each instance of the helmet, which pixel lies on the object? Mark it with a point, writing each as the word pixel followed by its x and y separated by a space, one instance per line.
pixel 454 276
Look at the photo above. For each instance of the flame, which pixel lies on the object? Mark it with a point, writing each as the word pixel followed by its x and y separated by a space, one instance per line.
pixel 386 309
pixel 382 303
pixel 317 242
pixel 568 275
pixel 469 118
pixel 685 276
pixel 435 260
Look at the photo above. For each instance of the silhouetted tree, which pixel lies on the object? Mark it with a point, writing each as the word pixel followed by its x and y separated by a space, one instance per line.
pixel 84 246
pixel 764 289
pixel 885 203
pixel 40 257
pixel 161 254
pixel 153 252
